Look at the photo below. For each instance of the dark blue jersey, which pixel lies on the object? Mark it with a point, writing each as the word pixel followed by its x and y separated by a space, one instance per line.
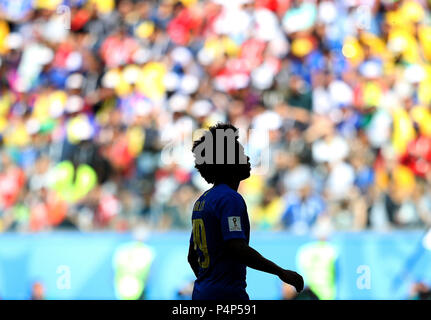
pixel 219 214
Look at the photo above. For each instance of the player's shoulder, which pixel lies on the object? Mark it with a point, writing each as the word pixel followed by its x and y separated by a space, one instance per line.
pixel 223 189
pixel 223 193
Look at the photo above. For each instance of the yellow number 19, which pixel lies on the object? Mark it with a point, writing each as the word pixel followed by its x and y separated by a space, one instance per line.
pixel 200 241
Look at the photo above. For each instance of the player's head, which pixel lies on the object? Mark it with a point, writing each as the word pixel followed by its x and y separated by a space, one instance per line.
pixel 219 157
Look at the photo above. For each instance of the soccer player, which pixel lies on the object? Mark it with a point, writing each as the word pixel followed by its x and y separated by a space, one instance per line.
pixel 219 249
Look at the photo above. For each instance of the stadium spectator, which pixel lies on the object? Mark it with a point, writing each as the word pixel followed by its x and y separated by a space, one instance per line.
pixel 96 112
pixel 38 291
pixel 420 291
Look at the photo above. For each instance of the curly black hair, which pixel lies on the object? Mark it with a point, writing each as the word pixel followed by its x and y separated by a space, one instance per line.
pixel 212 171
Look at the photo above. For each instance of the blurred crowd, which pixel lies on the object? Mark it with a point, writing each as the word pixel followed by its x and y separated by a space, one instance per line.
pixel 100 100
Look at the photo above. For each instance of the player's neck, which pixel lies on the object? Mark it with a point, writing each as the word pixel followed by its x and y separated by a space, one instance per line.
pixel 232 184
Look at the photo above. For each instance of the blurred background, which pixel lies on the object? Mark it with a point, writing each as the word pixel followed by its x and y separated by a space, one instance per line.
pixel 100 100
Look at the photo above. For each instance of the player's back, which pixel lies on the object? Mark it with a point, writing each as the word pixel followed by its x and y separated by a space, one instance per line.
pixel 219 214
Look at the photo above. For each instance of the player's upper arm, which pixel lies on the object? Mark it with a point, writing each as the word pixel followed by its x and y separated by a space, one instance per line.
pixel 235 247
pixel 233 215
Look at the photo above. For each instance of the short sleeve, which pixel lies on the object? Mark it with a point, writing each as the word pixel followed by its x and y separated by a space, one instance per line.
pixel 233 215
